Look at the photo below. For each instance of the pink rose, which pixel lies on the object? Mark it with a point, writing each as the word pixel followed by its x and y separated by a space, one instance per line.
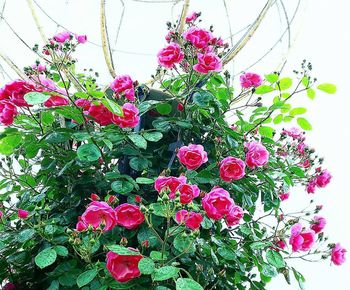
pixel 100 114
pixel 123 85
pixel 123 268
pixel 281 244
pixel 199 37
pixel 293 132
pixel 192 156
pixel 15 91
pixel 129 216
pixel 8 112
pixel 81 38
pixel 192 220
pixel 1 214
pixel 170 55
pixel 257 155
pixel 181 216
pixel 311 186
pixel 318 224
pixel 192 17
pixel 301 147
pixel 249 80
pixel 207 63
pixel 23 214
pixel 62 36
pixel 56 101
pixel 217 203
pixel 284 196
pixel 338 255
pixel 169 183
pixel 232 168
pixel 187 193
pixel 170 35
pixel 130 117
pixel 323 179
pixel 81 226
pixel 301 240
pixel 234 216
pixel 39 67
pixel 99 214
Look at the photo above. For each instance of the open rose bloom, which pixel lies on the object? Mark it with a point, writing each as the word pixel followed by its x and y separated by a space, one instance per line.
pixel 177 183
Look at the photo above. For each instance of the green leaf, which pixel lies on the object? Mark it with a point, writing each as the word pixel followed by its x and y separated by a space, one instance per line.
pixel 144 180
pixel 297 171
pixel 138 140
pixel 275 259
pixel 164 108
pixel 153 136
pixel 187 284
pixel 122 186
pixel 71 113
pixel 35 98
pixel 278 119
pixel 138 163
pixel 88 152
pixel 266 131
pixel 86 277
pixel 25 235
pixel 113 107
pixel 120 250
pixel 61 251
pixel 264 89
pixel 297 111
pixel 183 244
pixel 268 271
pixel 47 118
pixel 311 93
pixel 327 88
pixel 45 258
pixel 300 278
pixel 227 253
pixel 146 266
pixel 305 81
pixel 165 273
pixel 55 285
pixel 304 124
pixel 272 78
pixel 202 99
pixel 285 84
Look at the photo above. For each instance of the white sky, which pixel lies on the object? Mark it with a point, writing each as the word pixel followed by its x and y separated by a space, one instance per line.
pixel 322 37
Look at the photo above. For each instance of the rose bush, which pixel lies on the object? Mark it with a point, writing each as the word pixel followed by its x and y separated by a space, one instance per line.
pixel 122 186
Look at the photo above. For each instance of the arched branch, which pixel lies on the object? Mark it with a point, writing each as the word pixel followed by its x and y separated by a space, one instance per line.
pixel 105 39
pixel 36 20
pixel 12 65
pixel 182 20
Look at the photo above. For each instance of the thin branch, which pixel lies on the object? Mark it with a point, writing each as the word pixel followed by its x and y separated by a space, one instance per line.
pixel 120 23
pixel 105 39
pixel 287 21
pixel 182 20
pixel 12 65
pixel 36 20
pixel 247 36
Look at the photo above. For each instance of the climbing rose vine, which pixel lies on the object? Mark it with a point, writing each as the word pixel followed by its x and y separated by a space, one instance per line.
pixel 181 185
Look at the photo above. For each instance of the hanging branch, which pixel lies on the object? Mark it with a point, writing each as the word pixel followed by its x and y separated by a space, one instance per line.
pixel 36 20
pixel 247 36
pixel 105 40
pixel 12 65
pixel 182 20
pixel 120 24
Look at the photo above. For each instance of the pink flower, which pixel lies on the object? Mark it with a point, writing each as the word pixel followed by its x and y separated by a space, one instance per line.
pixel 181 216
pixel 62 36
pixel 232 168
pixel 192 220
pixel 129 216
pixel 311 186
pixel 22 214
pixel 123 268
pixel 318 224
pixel 199 37
pixel 338 255
pixel 234 216
pixel 1 214
pixel 123 85
pixel 81 38
pixel 169 183
pixel 249 80
pixel 15 91
pixel 281 244
pixel 39 67
pixel 8 112
pixel 257 155
pixel 301 240
pixel 81 226
pixel 83 103
pixel 293 132
pixel 100 114
pixel 170 35
pixel 192 156
pixel 207 63
pixel 305 164
pixel 99 214
pixel 187 193
pixel 138 198
pixel 192 17
pixel 56 101
pixel 130 117
pixel 323 179
pixel 170 55
pixel 217 203
pixel 301 147
pixel 284 196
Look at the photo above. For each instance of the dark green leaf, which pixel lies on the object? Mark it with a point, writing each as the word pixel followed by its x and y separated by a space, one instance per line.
pixel 146 266
pixel 187 284
pixel 86 277
pixel 88 152
pixel 45 258
pixel 165 273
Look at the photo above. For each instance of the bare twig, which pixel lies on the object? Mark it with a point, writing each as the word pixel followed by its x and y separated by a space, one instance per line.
pixel 120 23
pixel 12 65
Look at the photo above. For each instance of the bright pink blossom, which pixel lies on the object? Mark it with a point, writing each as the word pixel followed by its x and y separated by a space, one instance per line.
pixel 129 216
pixel 249 80
pixel 99 214
pixel 39 67
pixel 192 220
pixel 170 55
pixel 187 193
pixel 169 183
pixel 15 91
pixel 323 179
pixel 100 114
pixel 234 216
pixel 130 117
pixel 311 186
pixel 181 216
pixel 208 62
pixel 8 112
pixel 281 244
pixel 81 226
pixel 232 168
pixel 284 196
pixel 192 17
pixel 123 85
pixel 22 214
pixel 338 255
pixel 1 214
pixel 199 37
pixel 62 36
pixel 123 267
pixel 192 156
pixel 217 203
pixel 56 101
pixel 293 132
pixel 257 154
pixel 81 38
pixel 301 240
pixel 318 224
pixel 301 147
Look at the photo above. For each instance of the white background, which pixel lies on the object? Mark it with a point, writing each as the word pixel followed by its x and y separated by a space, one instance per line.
pixel 320 33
